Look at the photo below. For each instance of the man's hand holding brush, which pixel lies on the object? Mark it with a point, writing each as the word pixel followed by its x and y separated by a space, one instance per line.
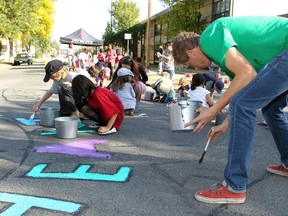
pixel 217 131
pixel 214 133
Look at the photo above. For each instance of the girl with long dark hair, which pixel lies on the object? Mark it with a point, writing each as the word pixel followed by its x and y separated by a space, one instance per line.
pixel 100 104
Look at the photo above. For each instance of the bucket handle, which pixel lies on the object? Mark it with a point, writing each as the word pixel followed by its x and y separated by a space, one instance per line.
pixel 187 103
pixel 63 123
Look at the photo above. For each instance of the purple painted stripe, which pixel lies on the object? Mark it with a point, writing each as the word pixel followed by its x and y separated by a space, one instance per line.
pixel 84 148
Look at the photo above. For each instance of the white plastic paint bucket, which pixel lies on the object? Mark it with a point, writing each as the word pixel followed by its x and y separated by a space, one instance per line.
pixel 182 112
pixel 47 116
pixel 66 127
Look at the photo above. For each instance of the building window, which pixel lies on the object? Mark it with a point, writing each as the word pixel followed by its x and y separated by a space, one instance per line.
pixel 157 30
pixel 221 8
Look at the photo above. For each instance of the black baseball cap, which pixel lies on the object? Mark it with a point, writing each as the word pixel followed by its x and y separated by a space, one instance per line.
pixel 52 67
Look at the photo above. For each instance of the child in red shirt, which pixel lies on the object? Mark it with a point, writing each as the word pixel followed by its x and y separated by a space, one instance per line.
pixel 101 56
pixel 100 100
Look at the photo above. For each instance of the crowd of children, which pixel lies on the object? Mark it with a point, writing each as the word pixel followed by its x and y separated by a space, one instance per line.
pixel 102 92
pixel 103 95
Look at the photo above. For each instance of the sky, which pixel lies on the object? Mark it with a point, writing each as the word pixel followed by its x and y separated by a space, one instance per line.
pixel 260 7
pixel 91 15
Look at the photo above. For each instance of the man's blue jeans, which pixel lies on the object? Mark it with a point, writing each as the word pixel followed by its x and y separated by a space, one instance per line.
pixel 268 91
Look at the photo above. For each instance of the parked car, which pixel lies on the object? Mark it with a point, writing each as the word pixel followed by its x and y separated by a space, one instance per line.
pixel 23 58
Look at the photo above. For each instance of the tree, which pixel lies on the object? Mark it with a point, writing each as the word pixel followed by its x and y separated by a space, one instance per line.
pixel 184 16
pixel 108 35
pixel 39 29
pixel 13 17
pixel 28 20
pixel 125 14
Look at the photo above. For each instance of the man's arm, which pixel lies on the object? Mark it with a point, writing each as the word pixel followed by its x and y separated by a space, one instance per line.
pixel 244 74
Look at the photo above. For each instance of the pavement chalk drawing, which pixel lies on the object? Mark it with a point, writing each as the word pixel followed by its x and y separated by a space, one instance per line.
pixel 81 174
pixel 28 122
pixel 22 203
pixel 84 148
pixel 43 133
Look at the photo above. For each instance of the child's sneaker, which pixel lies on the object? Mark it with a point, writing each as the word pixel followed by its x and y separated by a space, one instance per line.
pixel 111 131
pixel 219 194
pixel 278 170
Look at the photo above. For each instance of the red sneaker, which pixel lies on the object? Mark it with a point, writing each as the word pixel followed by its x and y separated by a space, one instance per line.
pixel 278 170
pixel 219 194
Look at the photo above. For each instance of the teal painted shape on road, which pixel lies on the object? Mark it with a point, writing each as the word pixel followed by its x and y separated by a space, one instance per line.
pixel 81 173
pixel 22 203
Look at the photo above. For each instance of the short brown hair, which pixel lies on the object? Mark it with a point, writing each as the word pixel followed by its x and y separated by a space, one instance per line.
pixel 94 72
pixel 182 42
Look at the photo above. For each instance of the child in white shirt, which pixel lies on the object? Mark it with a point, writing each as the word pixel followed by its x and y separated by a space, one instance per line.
pixel 197 92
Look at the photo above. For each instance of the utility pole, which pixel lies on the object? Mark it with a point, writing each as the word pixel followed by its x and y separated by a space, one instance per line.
pixel 111 19
pixel 147 51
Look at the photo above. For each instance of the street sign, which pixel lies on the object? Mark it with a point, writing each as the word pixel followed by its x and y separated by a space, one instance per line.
pixel 127 36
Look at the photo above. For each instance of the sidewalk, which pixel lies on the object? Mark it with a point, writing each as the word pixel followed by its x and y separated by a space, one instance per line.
pixel 179 73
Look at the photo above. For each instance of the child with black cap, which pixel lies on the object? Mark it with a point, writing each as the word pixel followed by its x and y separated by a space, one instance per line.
pixel 62 80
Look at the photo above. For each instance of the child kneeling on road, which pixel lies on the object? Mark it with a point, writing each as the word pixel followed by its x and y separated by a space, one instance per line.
pixel 100 104
pixel 122 87
pixel 164 86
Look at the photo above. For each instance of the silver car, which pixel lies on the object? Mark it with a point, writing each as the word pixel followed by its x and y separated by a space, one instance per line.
pixel 23 58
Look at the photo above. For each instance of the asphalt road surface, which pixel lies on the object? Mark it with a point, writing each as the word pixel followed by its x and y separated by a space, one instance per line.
pixel 144 169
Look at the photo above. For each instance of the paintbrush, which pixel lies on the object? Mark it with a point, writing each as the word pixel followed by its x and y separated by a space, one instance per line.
pixel 32 117
pixel 204 152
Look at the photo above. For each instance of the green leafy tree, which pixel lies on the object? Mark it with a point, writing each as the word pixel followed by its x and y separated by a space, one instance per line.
pixel 125 14
pixel 184 16
pixel 13 16
pixel 39 29
pixel 108 35
pixel 28 20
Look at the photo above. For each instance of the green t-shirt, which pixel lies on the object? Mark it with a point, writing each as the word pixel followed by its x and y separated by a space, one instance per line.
pixel 259 39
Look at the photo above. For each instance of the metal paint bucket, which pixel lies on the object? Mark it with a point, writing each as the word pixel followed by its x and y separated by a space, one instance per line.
pixel 149 96
pixel 182 112
pixel 47 116
pixel 66 127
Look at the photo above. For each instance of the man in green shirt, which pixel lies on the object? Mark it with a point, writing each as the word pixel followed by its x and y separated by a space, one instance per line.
pixel 253 52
